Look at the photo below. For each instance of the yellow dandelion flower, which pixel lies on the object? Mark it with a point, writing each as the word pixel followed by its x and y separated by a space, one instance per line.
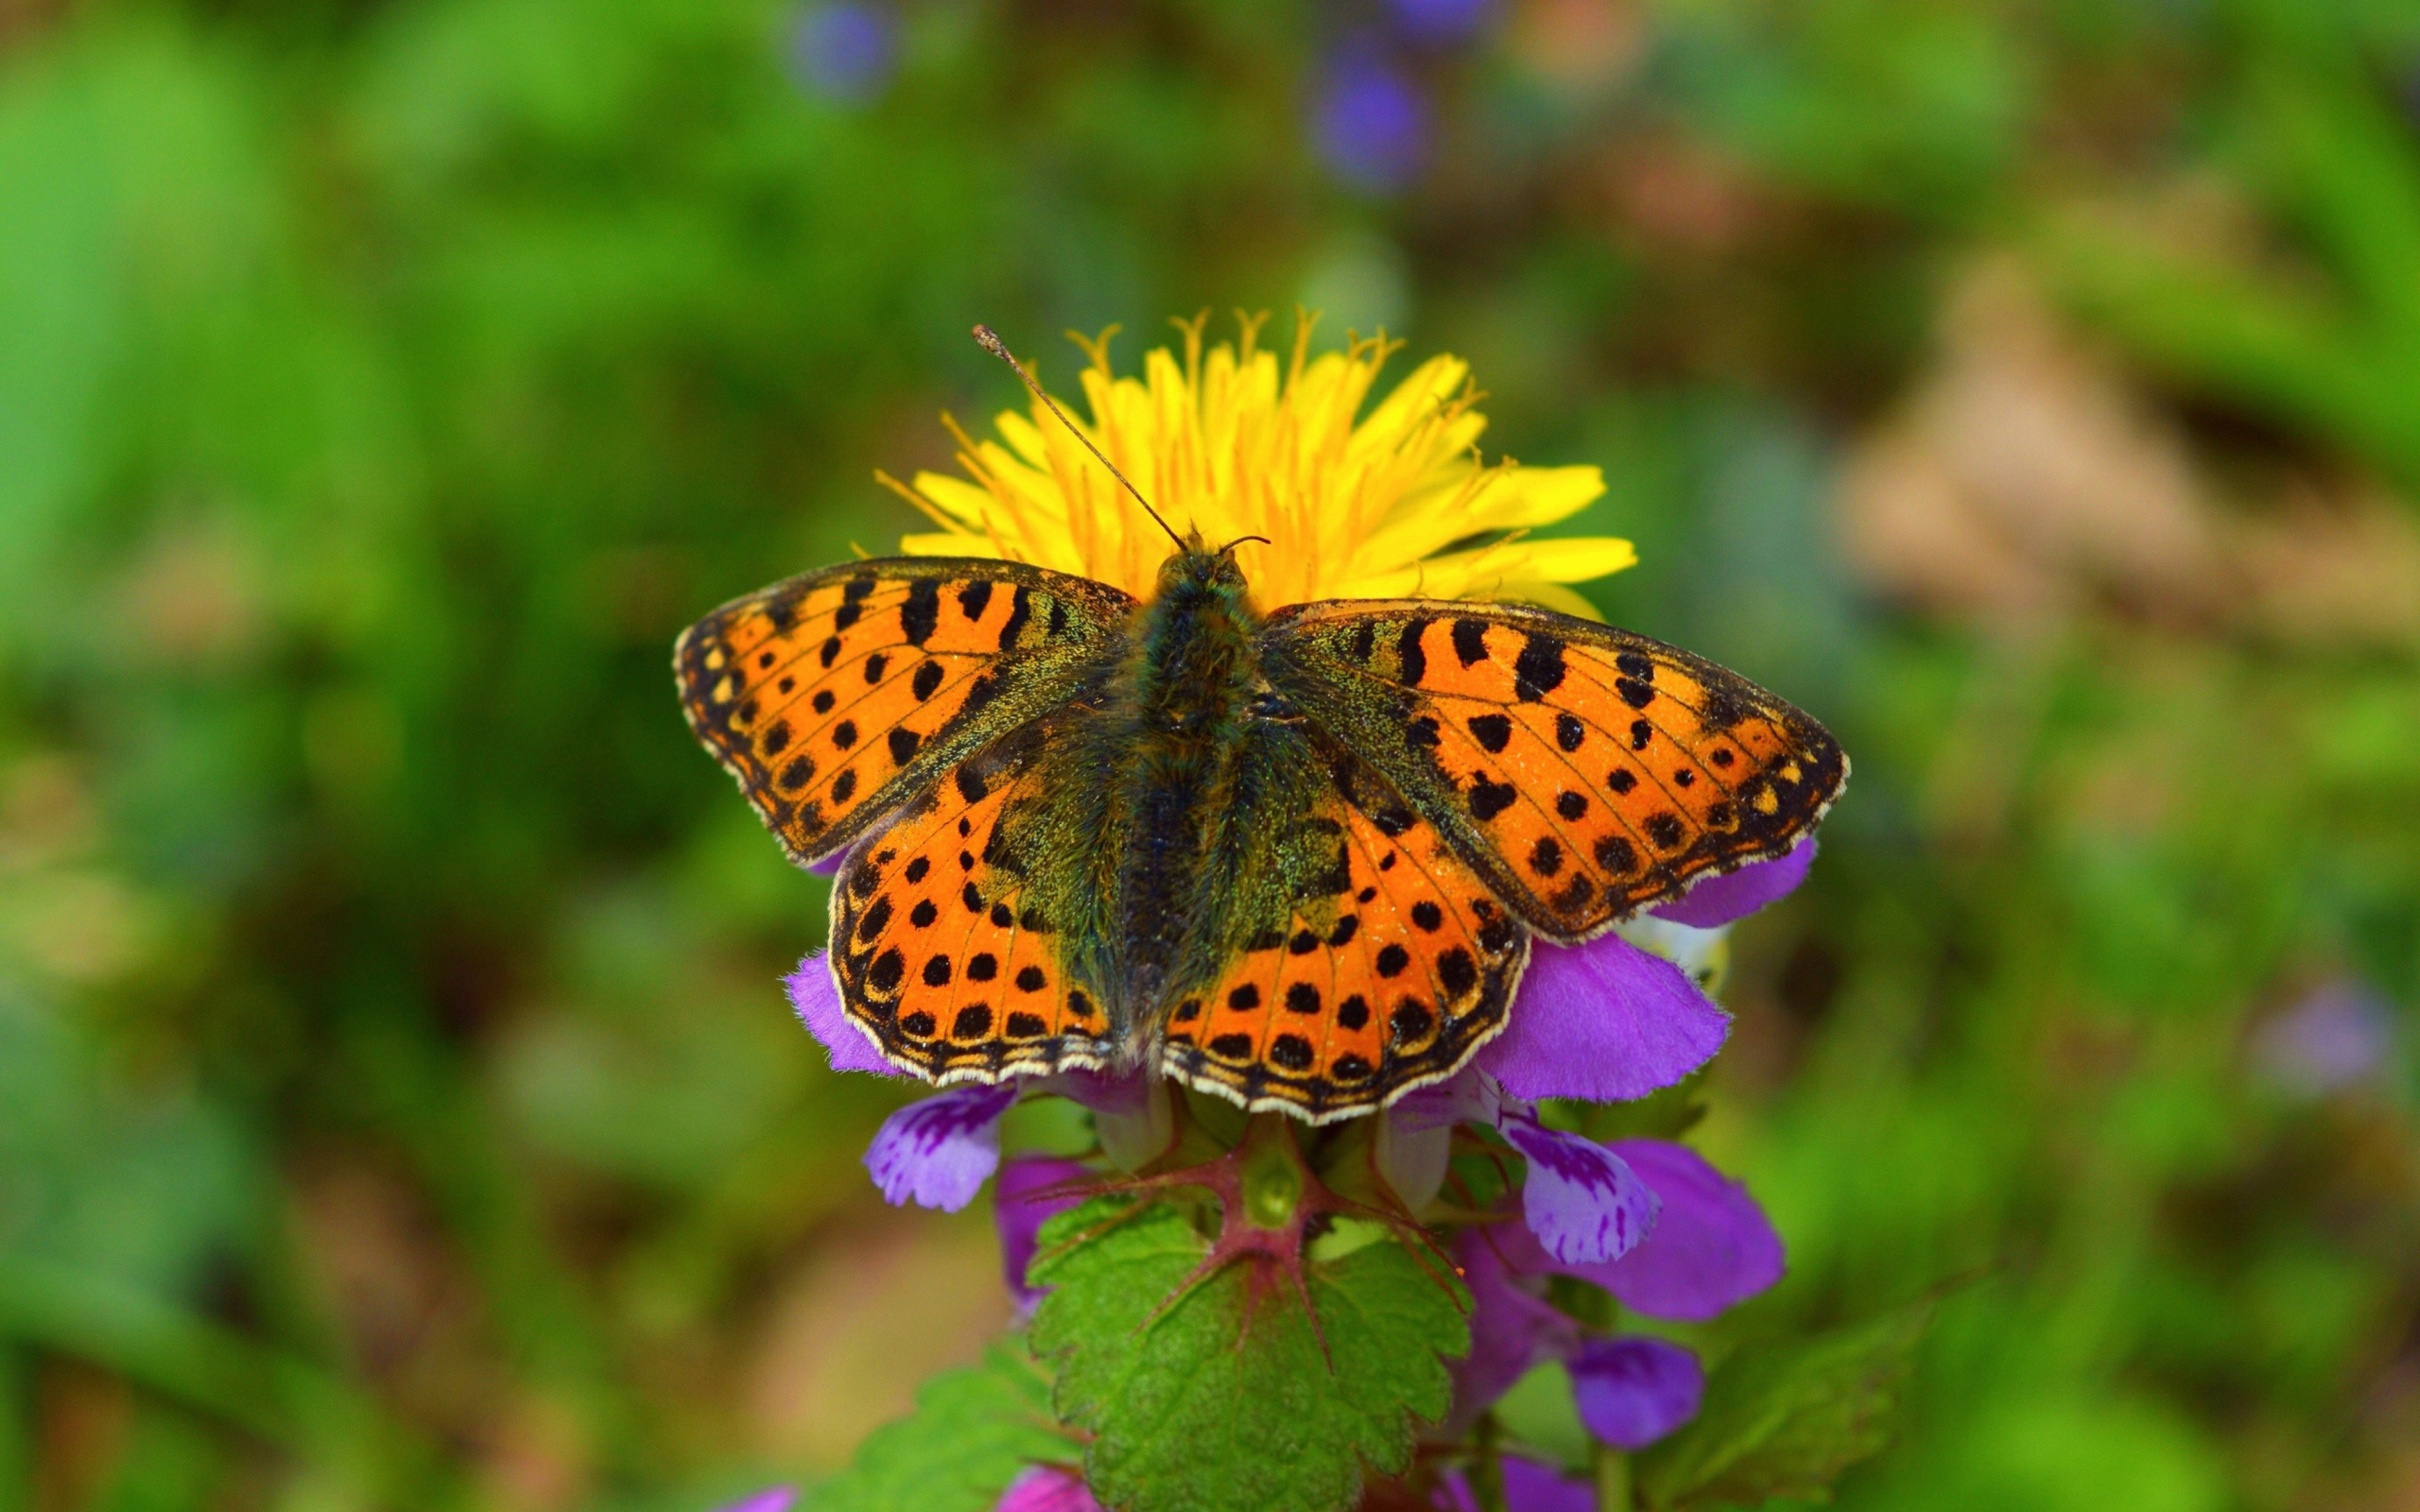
pixel 1230 442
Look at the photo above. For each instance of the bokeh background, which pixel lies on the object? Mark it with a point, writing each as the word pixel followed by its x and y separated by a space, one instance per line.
pixel 397 1103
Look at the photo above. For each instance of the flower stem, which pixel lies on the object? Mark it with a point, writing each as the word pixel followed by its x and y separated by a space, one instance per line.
pixel 1611 1468
pixel 1487 1467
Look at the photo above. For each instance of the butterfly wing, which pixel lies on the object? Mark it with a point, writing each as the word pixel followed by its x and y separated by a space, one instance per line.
pixel 833 696
pixel 1344 954
pixel 944 939
pixel 1584 772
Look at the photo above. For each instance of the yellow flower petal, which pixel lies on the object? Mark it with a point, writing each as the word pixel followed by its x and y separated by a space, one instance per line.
pixel 1232 442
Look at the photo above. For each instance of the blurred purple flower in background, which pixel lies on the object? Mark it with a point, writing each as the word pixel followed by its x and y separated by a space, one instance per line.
pixel 844 52
pixel 776 1500
pixel 1370 124
pixel 2341 1035
pixel 1440 23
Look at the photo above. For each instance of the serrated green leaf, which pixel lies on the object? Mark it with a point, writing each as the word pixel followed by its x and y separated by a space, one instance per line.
pixel 1193 1411
pixel 1786 1419
pixel 972 1431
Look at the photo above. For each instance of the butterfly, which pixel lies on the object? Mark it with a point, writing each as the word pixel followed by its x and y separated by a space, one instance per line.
pixel 1295 859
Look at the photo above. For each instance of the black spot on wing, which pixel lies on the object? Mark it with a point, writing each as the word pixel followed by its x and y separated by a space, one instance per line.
pixel 1539 669
pixel 922 613
pixel 1020 611
pixel 1408 651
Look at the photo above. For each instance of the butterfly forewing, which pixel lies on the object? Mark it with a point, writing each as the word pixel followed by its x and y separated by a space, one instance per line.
pixel 1384 970
pixel 1586 772
pixel 836 694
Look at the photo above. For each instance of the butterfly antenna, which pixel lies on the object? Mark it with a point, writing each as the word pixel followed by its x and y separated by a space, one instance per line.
pixel 990 341
pixel 1240 539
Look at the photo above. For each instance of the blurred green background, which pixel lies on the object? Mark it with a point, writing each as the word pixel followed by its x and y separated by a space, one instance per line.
pixel 398 1106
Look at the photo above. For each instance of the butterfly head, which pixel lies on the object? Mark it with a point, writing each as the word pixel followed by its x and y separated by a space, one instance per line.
pixel 1197 568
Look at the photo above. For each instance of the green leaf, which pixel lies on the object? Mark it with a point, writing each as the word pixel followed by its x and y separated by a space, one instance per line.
pixel 972 1431
pixel 1224 1401
pixel 1784 1419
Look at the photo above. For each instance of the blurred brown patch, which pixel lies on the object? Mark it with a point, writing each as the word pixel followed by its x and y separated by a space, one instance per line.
pixel 81 1414
pixel 1578 46
pixel 1680 194
pixel 46 813
pixel 193 597
pixel 2027 476
pixel 406 1308
pixel 2023 474
pixel 864 1318
pixel 412 1321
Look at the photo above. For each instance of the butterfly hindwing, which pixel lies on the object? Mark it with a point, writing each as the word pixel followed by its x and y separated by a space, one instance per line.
pixel 942 942
pixel 1586 772
pixel 836 694
pixel 1361 957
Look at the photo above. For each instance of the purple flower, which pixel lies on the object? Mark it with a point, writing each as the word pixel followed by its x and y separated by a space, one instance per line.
pixel 1711 1247
pixel 1021 1204
pixel 1718 900
pixel 1371 125
pixel 817 998
pixel 2336 1036
pixel 1047 1489
pixel 1512 1327
pixel 938 1153
pixel 776 1500
pixel 1603 1022
pixel 1581 1200
pixel 1440 22
pixel 1607 1021
pixel 844 52
pixel 1529 1486
pixel 1631 1392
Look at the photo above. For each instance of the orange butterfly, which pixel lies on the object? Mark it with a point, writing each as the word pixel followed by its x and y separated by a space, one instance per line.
pixel 1294 859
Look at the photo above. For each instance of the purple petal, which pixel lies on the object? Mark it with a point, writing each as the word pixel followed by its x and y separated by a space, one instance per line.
pixel 1411 1158
pixel 1583 1203
pixel 1712 1247
pixel 1439 22
pixel 1047 1489
pixel 1604 1021
pixel 830 866
pixel 1101 1091
pixel 938 1153
pixel 2336 1036
pixel 1370 123
pixel 1529 1486
pixel 844 52
pixel 1469 1096
pixel 817 998
pixel 776 1500
pixel 1020 1207
pixel 1738 894
pixel 1510 1329
pixel 1631 1392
